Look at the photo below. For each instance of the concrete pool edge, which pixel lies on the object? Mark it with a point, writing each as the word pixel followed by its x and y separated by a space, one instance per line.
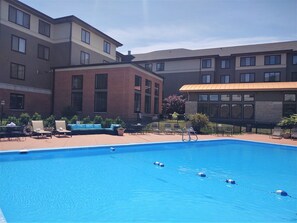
pixel 24 151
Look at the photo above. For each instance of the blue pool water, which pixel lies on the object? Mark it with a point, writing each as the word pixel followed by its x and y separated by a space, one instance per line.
pixel 98 184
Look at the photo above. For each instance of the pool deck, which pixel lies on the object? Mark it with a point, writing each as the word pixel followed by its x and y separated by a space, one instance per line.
pixel 29 143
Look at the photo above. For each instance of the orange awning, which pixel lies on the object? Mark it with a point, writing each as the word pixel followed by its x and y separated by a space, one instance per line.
pixel 263 86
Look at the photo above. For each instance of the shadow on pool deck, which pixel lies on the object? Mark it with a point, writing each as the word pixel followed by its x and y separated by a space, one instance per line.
pixel 103 139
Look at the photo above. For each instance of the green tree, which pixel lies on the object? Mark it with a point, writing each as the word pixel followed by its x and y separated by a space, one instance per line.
pixel 198 121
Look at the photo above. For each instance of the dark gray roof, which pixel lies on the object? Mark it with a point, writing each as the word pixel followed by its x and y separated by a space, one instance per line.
pixel 223 51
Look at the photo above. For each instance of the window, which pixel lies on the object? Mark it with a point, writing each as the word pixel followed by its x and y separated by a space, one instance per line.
pixel 100 99
pixel 206 63
pixel 213 97
pixel 225 97
pixel 157 89
pixel 137 102
pixel 84 57
pixel 225 79
pixel 224 111
pixel 236 97
pixel 203 108
pixel 213 110
pixel 290 97
pixel 236 111
pixel 147 101
pixel 247 77
pixel 44 28
pixel 203 97
pixel 137 84
pixel 18 44
pixel 271 76
pixel 100 102
pixel 248 111
pixel 77 82
pixel 147 104
pixel 247 61
pixel 294 59
pixel 101 81
pixel 160 67
pixel 17 101
pixel 76 101
pixel 85 36
pixel 137 94
pixel 148 66
pixel 225 64
pixel 205 79
pixel 19 17
pixel 289 109
pixel 272 59
pixel 248 97
pixel 17 71
pixel 43 52
pixel 106 47
pixel 77 94
pixel 148 87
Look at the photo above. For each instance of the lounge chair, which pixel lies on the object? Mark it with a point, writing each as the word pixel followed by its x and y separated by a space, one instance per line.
pixel 168 129
pixel 277 132
pixel 155 128
pixel 38 129
pixel 294 133
pixel 61 128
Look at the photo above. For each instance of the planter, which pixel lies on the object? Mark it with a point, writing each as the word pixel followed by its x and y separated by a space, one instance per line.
pixel 287 135
pixel 121 131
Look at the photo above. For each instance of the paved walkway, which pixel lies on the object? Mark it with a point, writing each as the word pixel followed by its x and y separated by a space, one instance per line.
pixel 103 139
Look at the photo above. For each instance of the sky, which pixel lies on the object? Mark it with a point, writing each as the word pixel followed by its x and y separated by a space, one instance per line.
pixel 148 25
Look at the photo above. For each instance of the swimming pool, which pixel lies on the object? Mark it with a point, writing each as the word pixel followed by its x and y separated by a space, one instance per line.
pixel 102 184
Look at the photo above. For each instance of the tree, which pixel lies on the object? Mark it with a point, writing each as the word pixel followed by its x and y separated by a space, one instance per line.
pixel 174 103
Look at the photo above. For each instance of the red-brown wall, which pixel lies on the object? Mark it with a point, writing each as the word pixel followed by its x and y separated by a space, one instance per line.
pixel 120 94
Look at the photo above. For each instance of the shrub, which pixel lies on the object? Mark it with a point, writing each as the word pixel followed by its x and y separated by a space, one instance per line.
pixel 86 120
pixel 118 120
pixel 50 121
pixel 288 122
pixel 98 119
pixel 36 116
pixel 199 121
pixel 24 119
pixel 107 122
pixel 173 104
pixel 74 119
pixel 13 119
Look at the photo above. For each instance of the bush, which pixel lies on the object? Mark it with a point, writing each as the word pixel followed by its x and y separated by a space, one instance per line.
pixel 24 119
pixel 36 116
pixel 199 121
pixel 118 120
pixel 13 119
pixel 74 119
pixel 173 104
pixel 98 119
pixel 50 121
pixel 288 122
pixel 107 122
pixel 86 120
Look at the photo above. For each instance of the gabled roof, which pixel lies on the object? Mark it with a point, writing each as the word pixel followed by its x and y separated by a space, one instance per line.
pixel 223 51
pixel 263 86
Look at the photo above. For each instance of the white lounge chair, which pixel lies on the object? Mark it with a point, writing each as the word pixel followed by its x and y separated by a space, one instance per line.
pixel 61 128
pixel 38 129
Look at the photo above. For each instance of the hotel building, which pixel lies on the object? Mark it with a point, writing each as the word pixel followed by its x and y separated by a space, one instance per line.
pixel 243 84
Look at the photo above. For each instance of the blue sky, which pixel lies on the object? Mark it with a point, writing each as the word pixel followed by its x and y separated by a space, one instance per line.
pixel 149 25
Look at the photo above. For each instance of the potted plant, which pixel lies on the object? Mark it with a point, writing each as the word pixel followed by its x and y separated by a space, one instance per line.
pixel 121 131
